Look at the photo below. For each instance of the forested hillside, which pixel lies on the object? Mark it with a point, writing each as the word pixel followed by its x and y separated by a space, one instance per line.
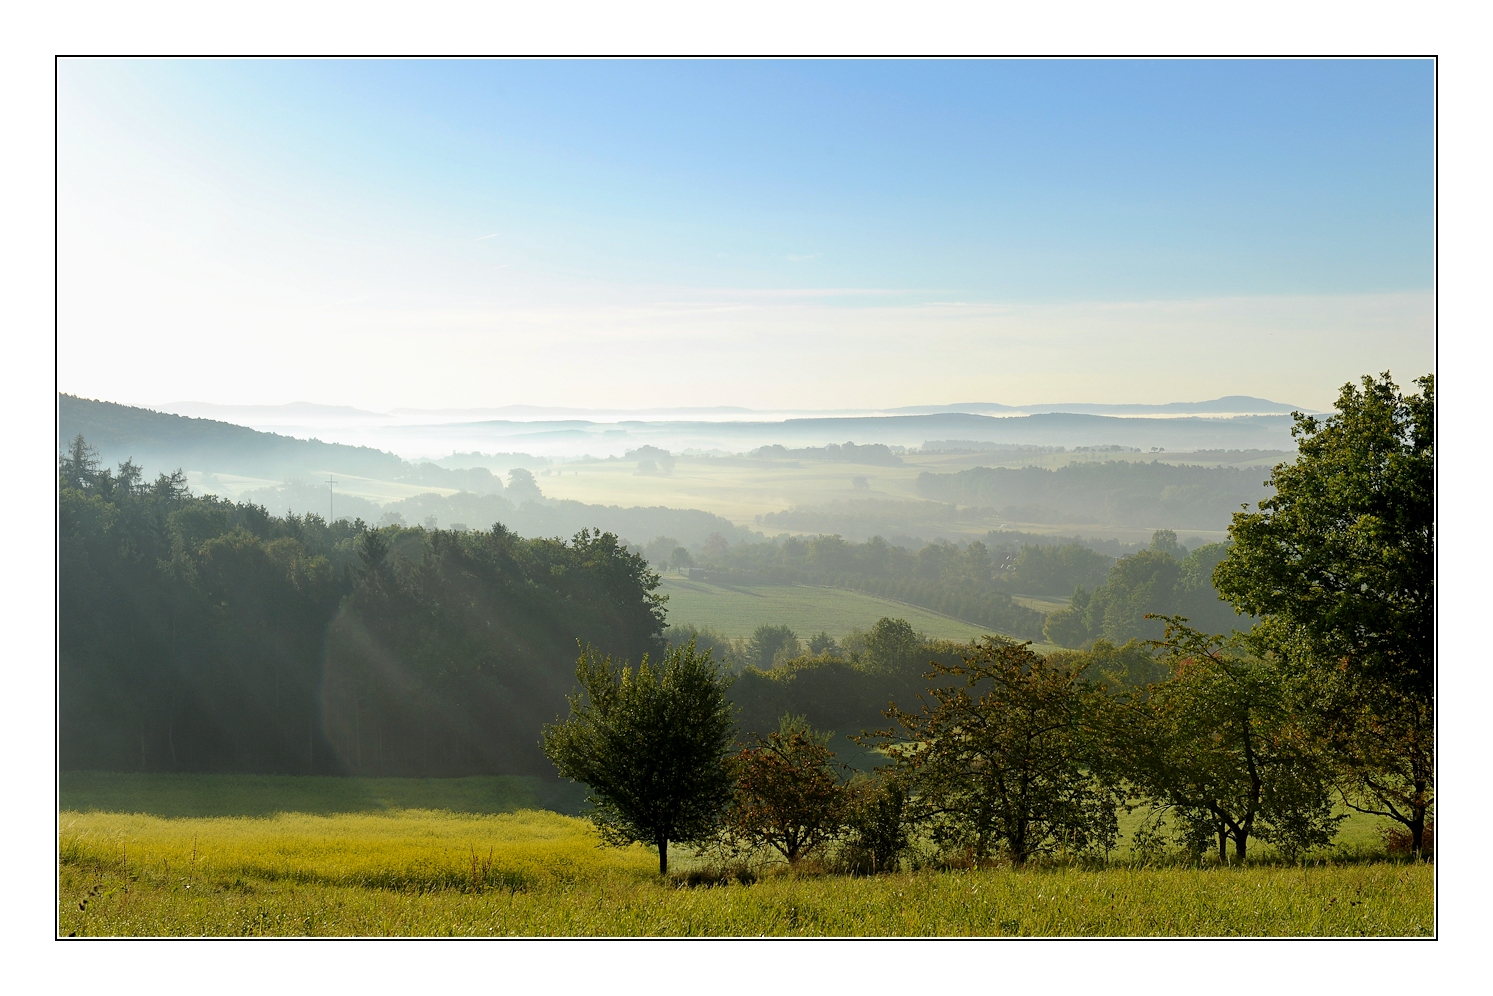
pixel 197 634
pixel 1165 580
pixel 159 441
pixel 1114 492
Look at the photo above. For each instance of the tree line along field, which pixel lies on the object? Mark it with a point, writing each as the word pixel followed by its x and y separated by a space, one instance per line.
pixel 386 857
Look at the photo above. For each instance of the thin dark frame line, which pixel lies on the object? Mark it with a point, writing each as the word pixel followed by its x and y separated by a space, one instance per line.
pixel 57 58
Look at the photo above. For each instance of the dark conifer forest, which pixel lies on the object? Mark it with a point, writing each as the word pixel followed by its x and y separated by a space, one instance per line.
pixel 198 634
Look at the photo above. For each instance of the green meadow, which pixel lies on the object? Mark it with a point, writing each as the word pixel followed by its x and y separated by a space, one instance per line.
pixel 188 795
pixel 226 855
pixel 737 610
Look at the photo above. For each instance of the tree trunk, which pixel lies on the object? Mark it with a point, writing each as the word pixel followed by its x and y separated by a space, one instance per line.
pixel 663 856
pixel 1018 840
pixel 1241 841
pixel 1223 844
pixel 1418 820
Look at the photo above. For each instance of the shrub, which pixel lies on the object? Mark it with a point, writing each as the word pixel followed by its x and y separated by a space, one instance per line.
pixel 1400 844
pixel 876 825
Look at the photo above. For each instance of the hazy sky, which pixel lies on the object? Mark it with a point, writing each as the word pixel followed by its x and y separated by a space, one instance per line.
pixel 769 234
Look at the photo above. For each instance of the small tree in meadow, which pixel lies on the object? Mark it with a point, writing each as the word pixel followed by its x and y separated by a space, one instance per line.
pixel 788 795
pixel 1000 759
pixel 1218 746
pixel 652 744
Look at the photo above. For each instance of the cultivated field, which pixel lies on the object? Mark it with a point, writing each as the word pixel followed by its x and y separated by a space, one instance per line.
pixel 737 610
pixel 393 871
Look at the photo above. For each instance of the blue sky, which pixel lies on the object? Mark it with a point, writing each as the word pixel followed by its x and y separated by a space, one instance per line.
pixel 731 232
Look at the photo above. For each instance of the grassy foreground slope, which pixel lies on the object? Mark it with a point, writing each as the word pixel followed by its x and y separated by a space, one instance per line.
pixel 530 873
pixel 229 856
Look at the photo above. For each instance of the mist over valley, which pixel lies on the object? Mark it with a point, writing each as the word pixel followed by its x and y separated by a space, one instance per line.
pixel 950 475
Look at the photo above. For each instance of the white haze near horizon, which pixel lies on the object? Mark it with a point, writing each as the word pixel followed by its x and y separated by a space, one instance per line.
pixel 768 355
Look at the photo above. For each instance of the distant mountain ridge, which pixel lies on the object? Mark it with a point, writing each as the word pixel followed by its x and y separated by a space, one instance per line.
pixel 1236 404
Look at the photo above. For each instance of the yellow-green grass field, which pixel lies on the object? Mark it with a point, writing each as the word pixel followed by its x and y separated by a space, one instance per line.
pixel 1042 603
pixel 394 871
pixel 737 610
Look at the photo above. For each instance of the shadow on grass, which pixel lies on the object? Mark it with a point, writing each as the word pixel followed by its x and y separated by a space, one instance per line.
pixel 182 795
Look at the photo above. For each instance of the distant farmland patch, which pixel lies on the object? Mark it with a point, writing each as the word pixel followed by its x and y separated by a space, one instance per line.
pixel 737 610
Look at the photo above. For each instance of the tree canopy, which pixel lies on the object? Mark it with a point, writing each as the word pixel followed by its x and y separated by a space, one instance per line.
pixel 1344 552
pixel 998 757
pixel 1341 563
pixel 789 795
pixel 652 744
pixel 1217 745
pixel 197 634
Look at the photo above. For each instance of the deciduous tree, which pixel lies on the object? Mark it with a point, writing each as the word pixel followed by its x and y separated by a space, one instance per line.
pixel 652 744
pixel 1341 561
pixel 1343 552
pixel 788 794
pixel 768 642
pixel 1216 745
pixel 1000 757
pixel 1381 741
pixel 876 824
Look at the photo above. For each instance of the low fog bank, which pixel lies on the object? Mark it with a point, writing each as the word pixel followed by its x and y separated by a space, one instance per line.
pixel 948 483
pixel 434 435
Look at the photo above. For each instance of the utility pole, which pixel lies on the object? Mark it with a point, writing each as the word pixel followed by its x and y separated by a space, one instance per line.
pixel 330 482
